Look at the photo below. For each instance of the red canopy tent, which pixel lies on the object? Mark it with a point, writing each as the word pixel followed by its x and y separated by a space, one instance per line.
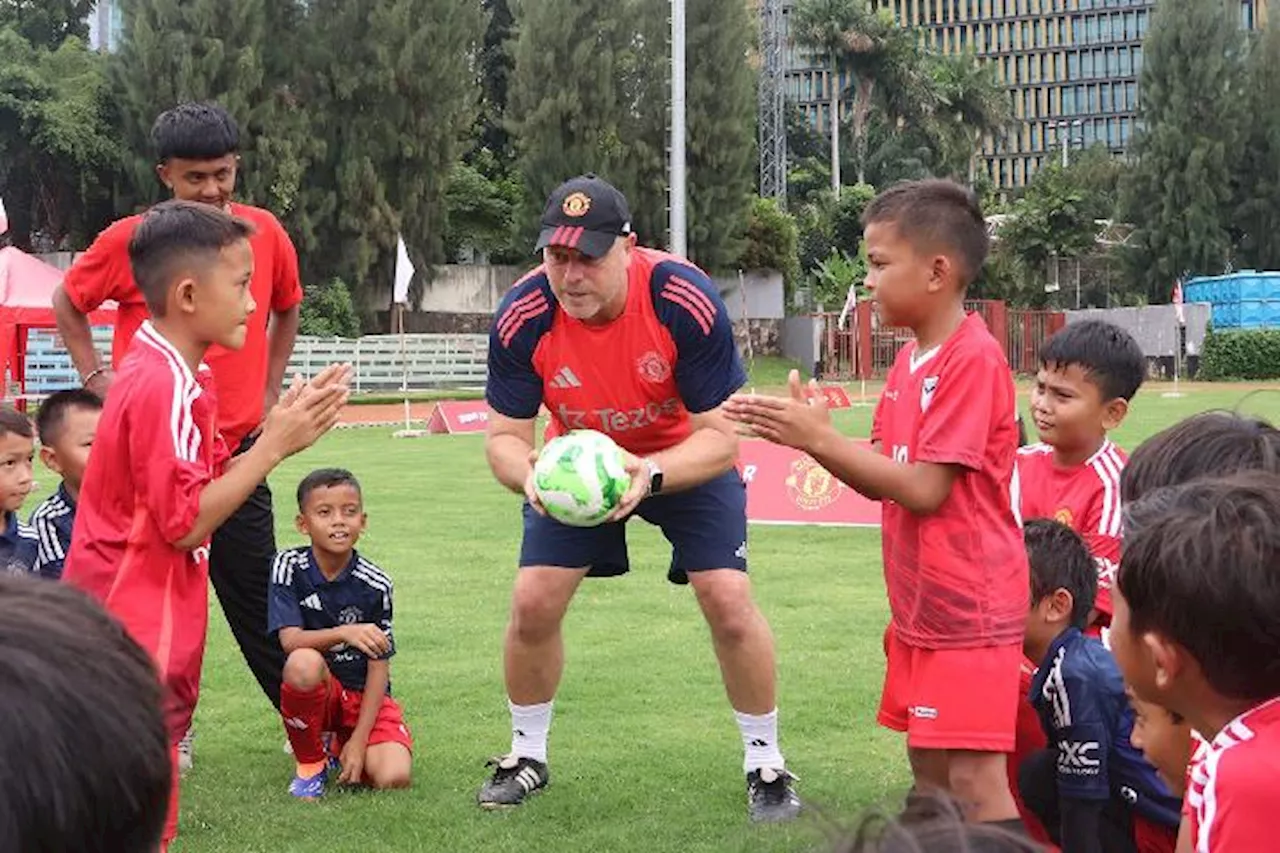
pixel 26 302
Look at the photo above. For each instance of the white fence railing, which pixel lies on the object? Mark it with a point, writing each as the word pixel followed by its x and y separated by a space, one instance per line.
pixel 427 361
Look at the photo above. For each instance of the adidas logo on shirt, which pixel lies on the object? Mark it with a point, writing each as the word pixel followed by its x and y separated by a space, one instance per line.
pixel 564 378
pixel 312 602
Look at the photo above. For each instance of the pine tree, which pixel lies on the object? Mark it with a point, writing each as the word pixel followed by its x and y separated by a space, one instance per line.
pixel 391 106
pixel 1258 210
pixel 720 147
pixel 1179 193
pixel 219 51
pixel 569 109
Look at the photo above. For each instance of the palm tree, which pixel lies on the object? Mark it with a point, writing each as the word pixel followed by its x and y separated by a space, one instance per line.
pixel 884 60
pixel 971 104
pixel 823 27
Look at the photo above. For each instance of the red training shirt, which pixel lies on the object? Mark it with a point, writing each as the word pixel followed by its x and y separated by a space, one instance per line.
pixel 635 378
pixel 1234 790
pixel 103 273
pixel 1085 497
pixel 156 449
pixel 958 577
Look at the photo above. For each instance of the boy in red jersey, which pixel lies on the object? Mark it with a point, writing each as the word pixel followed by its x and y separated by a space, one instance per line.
pixel 196 146
pixel 637 344
pixel 945 435
pixel 152 494
pixel 1089 373
pixel 1196 630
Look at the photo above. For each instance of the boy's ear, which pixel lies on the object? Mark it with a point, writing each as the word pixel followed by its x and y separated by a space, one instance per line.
pixel 300 523
pixel 1169 660
pixel 1061 605
pixel 49 457
pixel 940 274
pixel 183 295
pixel 162 170
pixel 1113 413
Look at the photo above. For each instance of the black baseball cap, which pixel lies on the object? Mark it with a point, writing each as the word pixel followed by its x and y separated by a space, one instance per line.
pixel 586 213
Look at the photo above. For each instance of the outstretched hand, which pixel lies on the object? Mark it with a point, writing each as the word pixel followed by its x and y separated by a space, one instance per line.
pixel 307 410
pixel 801 420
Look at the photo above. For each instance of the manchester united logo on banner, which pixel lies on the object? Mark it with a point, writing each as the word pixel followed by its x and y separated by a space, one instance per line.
pixel 811 486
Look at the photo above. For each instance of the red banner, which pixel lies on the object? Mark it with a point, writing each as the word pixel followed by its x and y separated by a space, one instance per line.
pixel 837 397
pixel 785 486
pixel 457 416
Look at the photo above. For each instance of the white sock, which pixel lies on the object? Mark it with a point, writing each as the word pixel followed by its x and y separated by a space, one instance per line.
pixel 759 741
pixel 529 726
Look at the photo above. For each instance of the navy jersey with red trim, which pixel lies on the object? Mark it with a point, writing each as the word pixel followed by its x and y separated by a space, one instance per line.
pixel 636 378
pixel 301 597
pixel 1079 694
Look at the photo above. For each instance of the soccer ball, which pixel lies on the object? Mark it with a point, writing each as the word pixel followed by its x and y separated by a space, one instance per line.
pixel 580 478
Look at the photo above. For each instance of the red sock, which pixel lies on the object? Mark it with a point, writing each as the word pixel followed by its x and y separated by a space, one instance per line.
pixel 303 712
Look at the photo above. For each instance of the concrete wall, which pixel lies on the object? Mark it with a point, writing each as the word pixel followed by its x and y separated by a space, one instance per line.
pixel 802 339
pixel 1155 327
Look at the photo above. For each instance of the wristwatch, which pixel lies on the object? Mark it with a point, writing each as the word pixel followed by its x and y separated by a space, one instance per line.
pixel 655 476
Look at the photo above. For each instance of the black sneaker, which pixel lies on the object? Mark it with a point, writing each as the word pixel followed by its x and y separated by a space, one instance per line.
pixel 771 798
pixel 513 780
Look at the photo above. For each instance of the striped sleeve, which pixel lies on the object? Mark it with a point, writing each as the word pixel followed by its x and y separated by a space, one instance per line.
pixel 708 368
pixel 379 587
pixel 49 524
pixel 514 388
pixel 164 436
pixel 283 609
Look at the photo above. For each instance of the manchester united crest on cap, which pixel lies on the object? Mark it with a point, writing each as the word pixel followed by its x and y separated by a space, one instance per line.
pixel 576 204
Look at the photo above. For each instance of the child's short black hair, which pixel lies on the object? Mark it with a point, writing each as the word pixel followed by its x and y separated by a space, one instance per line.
pixel 13 422
pixel 84 744
pixel 936 215
pixel 1060 559
pixel 53 411
pixel 1208 444
pixel 323 478
pixel 171 236
pixel 1201 571
pixel 1107 354
pixel 195 132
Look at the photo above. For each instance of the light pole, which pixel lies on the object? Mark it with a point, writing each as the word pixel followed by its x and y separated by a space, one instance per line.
pixel 677 203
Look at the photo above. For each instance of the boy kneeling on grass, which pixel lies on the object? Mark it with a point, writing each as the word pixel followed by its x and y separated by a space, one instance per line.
pixel 332 611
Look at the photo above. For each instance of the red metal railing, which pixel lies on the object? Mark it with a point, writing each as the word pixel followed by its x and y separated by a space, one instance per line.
pixel 864 349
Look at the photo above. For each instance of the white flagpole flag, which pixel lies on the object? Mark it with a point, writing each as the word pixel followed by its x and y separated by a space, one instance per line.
pixel 1177 302
pixel 4 218
pixel 404 272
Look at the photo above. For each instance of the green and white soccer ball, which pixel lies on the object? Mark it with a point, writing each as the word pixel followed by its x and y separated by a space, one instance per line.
pixel 580 478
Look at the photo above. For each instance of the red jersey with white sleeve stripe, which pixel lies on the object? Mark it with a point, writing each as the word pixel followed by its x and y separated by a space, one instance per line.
pixel 1233 793
pixel 156 449
pixel 636 378
pixel 957 577
pixel 1085 497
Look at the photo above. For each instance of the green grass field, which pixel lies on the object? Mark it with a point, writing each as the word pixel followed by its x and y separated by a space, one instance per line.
pixel 644 752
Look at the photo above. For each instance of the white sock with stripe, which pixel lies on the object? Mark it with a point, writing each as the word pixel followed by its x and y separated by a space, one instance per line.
pixel 759 741
pixel 529 727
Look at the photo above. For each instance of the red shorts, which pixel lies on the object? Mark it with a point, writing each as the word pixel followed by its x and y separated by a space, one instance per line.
pixel 1151 837
pixel 342 712
pixel 1029 738
pixel 951 698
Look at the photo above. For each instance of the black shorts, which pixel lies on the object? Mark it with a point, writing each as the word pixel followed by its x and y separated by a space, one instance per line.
pixel 706 526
